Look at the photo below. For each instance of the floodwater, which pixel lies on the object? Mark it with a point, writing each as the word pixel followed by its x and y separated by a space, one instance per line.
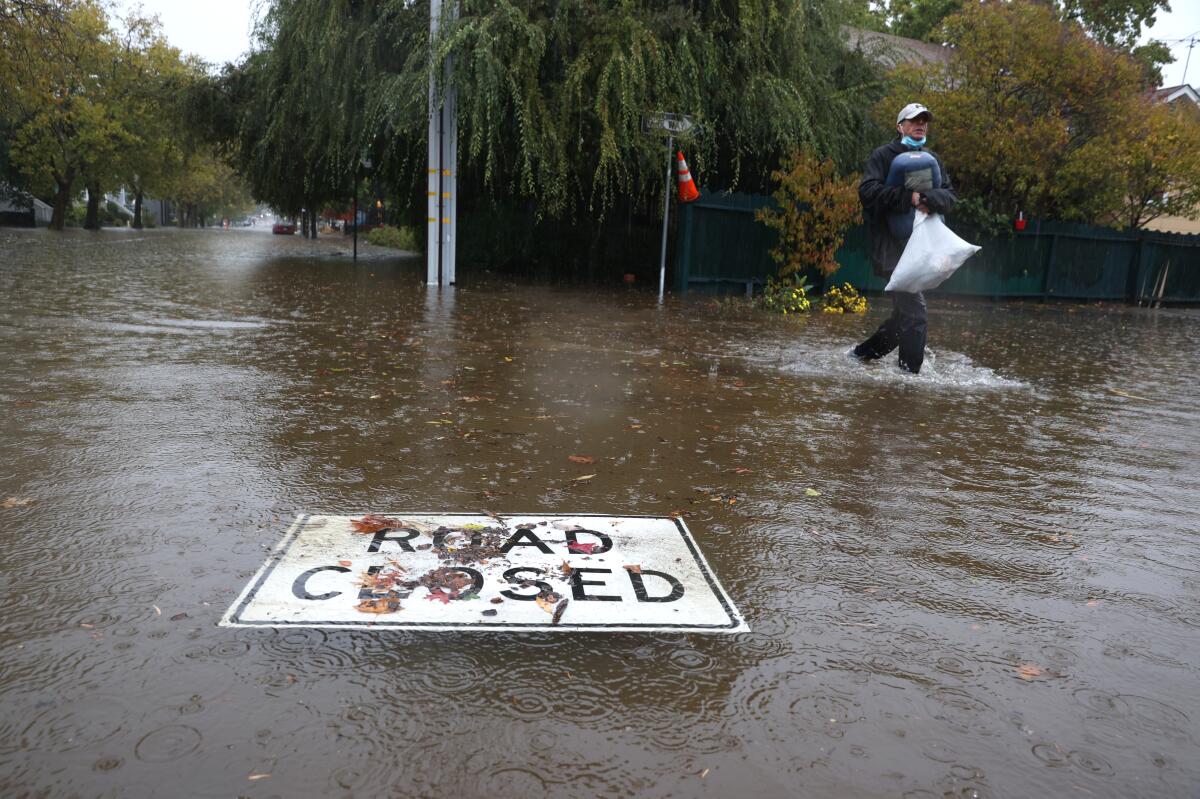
pixel 983 581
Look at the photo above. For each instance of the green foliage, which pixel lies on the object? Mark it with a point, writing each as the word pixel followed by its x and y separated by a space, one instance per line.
pixel 814 209
pixel 786 295
pixel 550 98
pixel 400 238
pixel 843 299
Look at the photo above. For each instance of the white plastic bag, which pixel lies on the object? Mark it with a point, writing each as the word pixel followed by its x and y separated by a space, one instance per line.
pixel 932 254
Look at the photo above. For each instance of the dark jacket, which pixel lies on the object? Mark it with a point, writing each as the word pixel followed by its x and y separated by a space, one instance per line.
pixel 880 199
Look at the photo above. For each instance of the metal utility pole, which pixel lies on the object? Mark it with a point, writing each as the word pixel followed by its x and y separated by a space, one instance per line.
pixel 442 184
pixel 670 124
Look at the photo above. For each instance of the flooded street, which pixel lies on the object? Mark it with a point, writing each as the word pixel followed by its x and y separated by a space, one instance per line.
pixel 982 581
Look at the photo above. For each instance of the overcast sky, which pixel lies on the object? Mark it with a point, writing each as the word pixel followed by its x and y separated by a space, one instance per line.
pixel 219 30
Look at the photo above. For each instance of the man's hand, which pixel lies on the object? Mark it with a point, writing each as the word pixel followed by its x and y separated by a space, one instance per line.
pixel 920 206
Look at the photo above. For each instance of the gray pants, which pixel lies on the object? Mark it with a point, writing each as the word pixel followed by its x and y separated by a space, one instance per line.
pixel 905 328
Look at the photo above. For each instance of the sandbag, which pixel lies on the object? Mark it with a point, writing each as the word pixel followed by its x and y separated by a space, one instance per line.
pixel 932 254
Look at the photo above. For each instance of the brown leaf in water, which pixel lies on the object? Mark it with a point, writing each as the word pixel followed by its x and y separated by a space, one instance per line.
pixel 581 459
pixel 1029 671
pixel 16 502
pixel 581 479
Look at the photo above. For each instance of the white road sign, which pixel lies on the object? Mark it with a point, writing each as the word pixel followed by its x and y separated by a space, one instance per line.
pixel 416 571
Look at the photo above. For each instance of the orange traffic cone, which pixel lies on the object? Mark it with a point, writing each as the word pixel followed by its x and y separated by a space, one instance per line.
pixel 687 186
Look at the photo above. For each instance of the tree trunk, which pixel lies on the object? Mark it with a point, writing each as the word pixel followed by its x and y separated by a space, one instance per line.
pixel 137 209
pixel 92 220
pixel 62 199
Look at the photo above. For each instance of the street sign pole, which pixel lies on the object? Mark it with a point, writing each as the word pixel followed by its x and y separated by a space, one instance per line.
pixel 662 263
pixel 672 125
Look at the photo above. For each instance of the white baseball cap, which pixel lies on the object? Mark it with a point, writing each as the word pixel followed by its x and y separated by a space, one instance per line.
pixel 912 110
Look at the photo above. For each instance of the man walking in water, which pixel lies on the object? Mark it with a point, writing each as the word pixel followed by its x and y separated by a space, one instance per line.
pixel 882 198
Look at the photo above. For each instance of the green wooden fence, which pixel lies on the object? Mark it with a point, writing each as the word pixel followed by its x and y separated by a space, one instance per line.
pixel 720 249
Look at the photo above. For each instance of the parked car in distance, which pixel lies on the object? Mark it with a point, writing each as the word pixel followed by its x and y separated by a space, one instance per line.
pixel 283 228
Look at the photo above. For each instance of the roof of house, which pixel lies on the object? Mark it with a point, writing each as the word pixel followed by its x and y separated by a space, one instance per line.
pixel 888 50
pixel 1170 94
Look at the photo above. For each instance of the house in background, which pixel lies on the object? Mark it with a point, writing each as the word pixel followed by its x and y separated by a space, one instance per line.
pixel 1177 96
pixel 21 210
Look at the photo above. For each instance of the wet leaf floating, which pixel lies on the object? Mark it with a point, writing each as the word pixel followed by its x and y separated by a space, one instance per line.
pixel 373 523
pixel 1029 671
pixel 811 492
pixel 585 477
pixel 581 459
pixel 580 547
pixel 16 502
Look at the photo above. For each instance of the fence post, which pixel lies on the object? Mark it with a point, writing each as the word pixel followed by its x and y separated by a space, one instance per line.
pixel 1135 270
pixel 683 254
pixel 1049 267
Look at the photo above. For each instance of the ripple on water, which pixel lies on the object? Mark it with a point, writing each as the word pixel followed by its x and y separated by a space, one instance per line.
pixel 76 724
pixel 168 743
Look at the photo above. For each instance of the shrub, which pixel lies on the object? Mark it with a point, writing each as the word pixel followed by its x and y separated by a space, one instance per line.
pixel 787 295
pixel 843 299
pixel 815 207
pixel 400 238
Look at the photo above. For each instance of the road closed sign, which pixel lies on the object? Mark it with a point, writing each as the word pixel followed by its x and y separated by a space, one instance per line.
pixel 487 572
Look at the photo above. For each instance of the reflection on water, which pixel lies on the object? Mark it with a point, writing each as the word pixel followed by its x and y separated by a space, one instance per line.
pixel 979 581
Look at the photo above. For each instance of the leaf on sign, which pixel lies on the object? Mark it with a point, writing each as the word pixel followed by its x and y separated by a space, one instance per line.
pixel 633 567
pixel 373 523
pixel 581 459
pixel 581 479
pixel 811 492
pixel 580 547
pixel 343 563
pixel 439 595
pixel 548 602
pixel 1029 671
pixel 381 605
pixel 559 609
pixel 566 569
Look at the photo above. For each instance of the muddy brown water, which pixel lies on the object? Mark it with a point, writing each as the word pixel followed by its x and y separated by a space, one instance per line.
pixel 996 591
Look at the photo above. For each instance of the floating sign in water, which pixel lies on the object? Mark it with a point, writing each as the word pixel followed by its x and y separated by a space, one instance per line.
pixel 480 572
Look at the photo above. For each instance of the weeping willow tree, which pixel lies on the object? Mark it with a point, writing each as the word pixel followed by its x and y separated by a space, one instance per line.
pixel 551 94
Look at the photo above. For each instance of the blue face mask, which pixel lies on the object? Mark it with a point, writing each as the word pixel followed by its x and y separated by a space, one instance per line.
pixel 909 141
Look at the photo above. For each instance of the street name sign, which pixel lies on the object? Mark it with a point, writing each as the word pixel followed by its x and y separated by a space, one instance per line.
pixel 465 571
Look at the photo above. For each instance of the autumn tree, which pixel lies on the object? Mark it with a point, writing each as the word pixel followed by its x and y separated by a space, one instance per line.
pixel 1152 167
pixel 52 64
pixel 1031 113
